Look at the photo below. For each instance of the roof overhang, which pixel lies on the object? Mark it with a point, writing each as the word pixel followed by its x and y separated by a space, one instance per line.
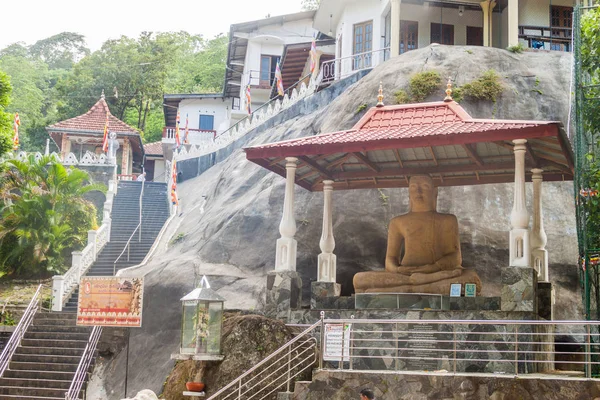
pixel 389 144
pixel 328 15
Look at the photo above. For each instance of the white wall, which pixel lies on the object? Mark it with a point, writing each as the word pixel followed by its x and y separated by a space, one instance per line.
pixel 357 12
pixel 537 12
pixel 159 170
pixel 219 108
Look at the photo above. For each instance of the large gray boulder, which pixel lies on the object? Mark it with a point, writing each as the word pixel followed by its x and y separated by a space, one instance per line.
pixel 230 214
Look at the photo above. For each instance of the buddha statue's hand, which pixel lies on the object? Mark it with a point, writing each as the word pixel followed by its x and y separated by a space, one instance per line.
pixel 422 269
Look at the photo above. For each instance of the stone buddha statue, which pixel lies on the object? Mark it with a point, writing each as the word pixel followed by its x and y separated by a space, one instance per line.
pixel 423 249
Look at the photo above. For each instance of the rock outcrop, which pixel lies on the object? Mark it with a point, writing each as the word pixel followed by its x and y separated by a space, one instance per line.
pixel 230 214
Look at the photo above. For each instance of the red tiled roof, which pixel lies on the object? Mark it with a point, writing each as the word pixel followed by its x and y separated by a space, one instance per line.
pixel 93 121
pixel 391 143
pixel 153 149
pixel 407 126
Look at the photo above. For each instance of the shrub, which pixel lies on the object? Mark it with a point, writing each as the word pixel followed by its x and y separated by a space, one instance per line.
pixel 424 84
pixel 517 48
pixel 402 97
pixel 486 87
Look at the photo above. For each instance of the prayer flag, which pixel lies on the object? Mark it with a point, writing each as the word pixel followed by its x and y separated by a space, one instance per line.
pixel 16 125
pixel 105 138
pixel 174 174
pixel 177 137
pixel 313 56
pixel 248 99
pixel 187 131
pixel 279 80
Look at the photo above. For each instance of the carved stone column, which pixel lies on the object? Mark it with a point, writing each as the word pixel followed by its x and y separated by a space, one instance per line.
pixel 539 254
pixel 284 286
pixel 519 280
pixel 286 245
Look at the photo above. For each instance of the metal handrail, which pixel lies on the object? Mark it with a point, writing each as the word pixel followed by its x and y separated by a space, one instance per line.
pixel 139 226
pixel 84 364
pixel 283 351
pixel 15 338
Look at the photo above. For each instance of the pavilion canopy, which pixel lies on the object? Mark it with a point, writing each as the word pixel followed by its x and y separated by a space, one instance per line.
pixel 391 143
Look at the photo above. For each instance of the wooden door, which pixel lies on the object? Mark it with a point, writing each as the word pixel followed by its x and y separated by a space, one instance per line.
pixel 442 33
pixel 409 36
pixel 474 36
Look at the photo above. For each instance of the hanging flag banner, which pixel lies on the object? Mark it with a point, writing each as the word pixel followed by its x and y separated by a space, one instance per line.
pixel 279 80
pixel 248 99
pixel 110 301
pixel 16 125
pixel 313 56
pixel 187 131
pixel 105 138
pixel 177 137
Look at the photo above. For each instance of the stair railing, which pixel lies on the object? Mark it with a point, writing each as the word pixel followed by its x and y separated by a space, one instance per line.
pixel 17 335
pixel 84 364
pixel 138 229
pixel 277 371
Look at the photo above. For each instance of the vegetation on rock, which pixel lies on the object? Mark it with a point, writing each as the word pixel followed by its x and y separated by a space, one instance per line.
pixel 421 85
pixel 43 215
pixel 517 48
pixel 486 87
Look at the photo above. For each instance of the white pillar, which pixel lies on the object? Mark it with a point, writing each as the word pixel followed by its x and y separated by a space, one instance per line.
pixel 326 271
pixel 58 282
pixel 519 247
pixel 513 22
pixel 539 254
pixel 92 240
pixel 487 7
pixel 395 28
pixel 286 245
pixel 108 222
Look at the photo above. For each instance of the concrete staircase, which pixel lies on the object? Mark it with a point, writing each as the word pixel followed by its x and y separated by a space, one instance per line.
pixel 125 218
pixel 45 362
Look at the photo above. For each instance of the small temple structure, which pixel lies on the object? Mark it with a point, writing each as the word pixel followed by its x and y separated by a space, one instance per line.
pixel 441 143
pixel 83 135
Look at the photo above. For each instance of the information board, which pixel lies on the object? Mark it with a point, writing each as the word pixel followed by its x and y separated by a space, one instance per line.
pixel 335 335
pixel 110 301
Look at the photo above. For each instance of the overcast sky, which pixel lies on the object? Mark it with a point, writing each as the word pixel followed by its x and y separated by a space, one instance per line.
pixel 98 20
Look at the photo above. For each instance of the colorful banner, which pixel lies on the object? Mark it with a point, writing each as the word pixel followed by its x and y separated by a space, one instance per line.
pixel 16 125
pixel 280 90
pixel 248 99
pixel 313 56
pixel 177 137
pixel 105 138
pixel 110 301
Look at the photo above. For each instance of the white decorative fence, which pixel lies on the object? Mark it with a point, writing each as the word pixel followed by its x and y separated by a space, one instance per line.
pixel 88 158
pixel 64 285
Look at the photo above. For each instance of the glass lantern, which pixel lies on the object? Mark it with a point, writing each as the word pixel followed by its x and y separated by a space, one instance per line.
pixel 202 322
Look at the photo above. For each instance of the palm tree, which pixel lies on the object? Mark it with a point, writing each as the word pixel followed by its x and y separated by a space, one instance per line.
pixel 43 215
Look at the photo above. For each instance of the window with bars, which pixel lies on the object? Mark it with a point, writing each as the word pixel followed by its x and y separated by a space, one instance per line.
pixel 362 43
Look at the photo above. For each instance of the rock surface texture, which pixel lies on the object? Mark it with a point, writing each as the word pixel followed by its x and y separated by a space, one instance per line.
pixel 230 214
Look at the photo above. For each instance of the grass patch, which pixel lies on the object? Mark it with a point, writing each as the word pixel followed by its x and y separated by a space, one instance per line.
pixel 517 48
pixel 361 108
pixel 486 87
pixel 420 86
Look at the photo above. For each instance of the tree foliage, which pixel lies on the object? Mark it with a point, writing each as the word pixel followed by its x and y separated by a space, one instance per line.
pixel 5 117
pixel 310 4
pixel 60 51
pixel 43 215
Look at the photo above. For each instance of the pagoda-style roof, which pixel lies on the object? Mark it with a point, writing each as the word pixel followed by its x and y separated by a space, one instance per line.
pixel 91 126
pixel 391 143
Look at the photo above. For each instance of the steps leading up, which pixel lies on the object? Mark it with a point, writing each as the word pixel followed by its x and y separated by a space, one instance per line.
pixel 45 362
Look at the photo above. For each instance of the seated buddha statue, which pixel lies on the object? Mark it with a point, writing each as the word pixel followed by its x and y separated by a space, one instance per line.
pixel 423 249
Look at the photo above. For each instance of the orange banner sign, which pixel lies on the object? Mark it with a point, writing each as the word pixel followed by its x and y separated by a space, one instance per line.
pixel 110 301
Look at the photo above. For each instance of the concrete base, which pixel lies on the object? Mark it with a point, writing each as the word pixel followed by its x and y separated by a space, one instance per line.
pixel 284 293
pixel 519 286
pixel 323 294
pixel 545 295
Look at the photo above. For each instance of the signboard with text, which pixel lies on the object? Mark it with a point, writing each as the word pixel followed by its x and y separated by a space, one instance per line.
pixel 335 335
pixel 110 301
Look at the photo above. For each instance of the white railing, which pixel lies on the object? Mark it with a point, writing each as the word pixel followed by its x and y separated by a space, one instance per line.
pixel 343 67
pixel 17 335
pixel 240 129
pixel 277 372
pixel 195 136
pixel 63 286
pixel 87 357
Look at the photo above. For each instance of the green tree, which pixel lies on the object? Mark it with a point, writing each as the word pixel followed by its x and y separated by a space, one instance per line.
pixel 310 4
pixel 43 216
pixel 60 51
pixel 5 118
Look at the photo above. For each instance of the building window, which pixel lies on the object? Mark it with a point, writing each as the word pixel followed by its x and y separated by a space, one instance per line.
pixel 560 22
pixel 363 43
pixel 207 122
pixel 409 36
pixel 474 36
pixel 267 70
pixel 442 33
pixel 235 104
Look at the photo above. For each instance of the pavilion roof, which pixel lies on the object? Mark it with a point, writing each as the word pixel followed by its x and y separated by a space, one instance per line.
pixel 441 139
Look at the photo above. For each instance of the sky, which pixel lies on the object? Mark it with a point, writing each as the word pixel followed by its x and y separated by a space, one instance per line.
pixel 99 21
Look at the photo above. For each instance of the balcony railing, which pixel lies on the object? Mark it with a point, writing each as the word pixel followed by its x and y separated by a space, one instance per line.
pixel 196 136
pixel 342 67
pixel 537 37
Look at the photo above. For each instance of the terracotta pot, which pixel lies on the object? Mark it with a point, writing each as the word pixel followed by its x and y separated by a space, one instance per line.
pixel 194 386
